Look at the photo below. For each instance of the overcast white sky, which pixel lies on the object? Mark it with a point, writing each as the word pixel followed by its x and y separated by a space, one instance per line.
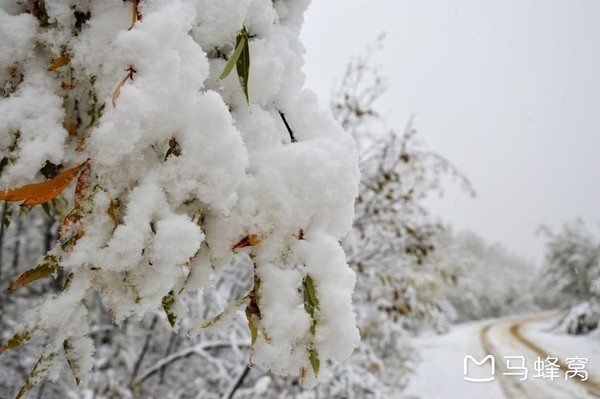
pixel 509 91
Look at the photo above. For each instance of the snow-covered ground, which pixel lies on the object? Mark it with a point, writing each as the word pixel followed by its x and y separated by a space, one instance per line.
pixel 515 344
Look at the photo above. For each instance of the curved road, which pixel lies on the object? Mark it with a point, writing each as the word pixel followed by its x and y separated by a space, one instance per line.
pixel 507 338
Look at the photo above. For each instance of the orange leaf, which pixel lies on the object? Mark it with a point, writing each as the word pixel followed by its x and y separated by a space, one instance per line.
pixel 38 193
pixel 60 61
pixel 251 240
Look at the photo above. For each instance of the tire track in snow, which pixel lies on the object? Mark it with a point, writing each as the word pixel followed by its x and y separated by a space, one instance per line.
pixel 590 385
pixel 511 386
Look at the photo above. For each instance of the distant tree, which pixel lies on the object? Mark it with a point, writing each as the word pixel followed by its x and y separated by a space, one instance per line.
pixel 483 280
pixel 394 236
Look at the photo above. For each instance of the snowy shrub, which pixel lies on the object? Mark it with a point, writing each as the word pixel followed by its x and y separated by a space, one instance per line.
pixel 394 236
pixel 570 277
pixel 580 319
pixel 189 137
pixel 571 271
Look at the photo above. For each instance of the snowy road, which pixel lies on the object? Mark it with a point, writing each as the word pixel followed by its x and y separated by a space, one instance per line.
pixel 527 362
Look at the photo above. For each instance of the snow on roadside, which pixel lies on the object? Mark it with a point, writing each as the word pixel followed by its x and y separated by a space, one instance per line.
pixel 567 346
pixel 440 373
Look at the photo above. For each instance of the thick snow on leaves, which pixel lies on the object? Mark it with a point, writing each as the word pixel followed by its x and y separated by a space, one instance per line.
pixel 184 166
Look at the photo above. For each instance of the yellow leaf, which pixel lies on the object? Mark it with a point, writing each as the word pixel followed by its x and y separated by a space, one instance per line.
pixel 38 193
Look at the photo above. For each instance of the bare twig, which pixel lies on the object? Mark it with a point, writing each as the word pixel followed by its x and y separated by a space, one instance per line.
pixel 287 126
pixel 237 384
pixel 197 350
pixel 170 347
pixel 139 360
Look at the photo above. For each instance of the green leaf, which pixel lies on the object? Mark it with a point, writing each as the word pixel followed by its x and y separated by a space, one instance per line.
pixel 239 43
pixel 46 208
pixel 38 372
pixel 241 59
pixel 309 289
pixel 3 164
pixel 47 266
pixel 72 360
pixel 310 301
pixel 243 64
pixel 7 213
pixel 168 302
pixel 310 297
pixel 16 340
pixel 313 356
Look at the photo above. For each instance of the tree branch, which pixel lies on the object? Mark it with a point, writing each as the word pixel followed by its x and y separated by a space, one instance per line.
pixel 287 126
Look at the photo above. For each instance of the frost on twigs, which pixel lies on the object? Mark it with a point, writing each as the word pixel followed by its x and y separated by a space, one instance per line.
pixel 187 167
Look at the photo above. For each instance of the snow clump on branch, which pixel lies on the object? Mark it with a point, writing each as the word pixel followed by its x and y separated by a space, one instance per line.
pixel 182 165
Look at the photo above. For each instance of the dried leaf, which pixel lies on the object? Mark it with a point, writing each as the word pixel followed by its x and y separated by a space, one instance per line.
pixel 134 15
pixel 174 148
pixel 82 188
pixel 62 60
pixel 46 267
pixel 253 331
pixel 70 226
pixel 16 340
pixel 73 129
pixel 117 92
pixel 114 210
pixel 38 193
pixel 81 144
pixel 38 372
pixel 250 240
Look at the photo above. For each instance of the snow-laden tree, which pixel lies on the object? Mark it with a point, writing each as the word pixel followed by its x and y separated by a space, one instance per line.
pixel 570 276
pixel 394 235
pixel 482 280
pixel 186 129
